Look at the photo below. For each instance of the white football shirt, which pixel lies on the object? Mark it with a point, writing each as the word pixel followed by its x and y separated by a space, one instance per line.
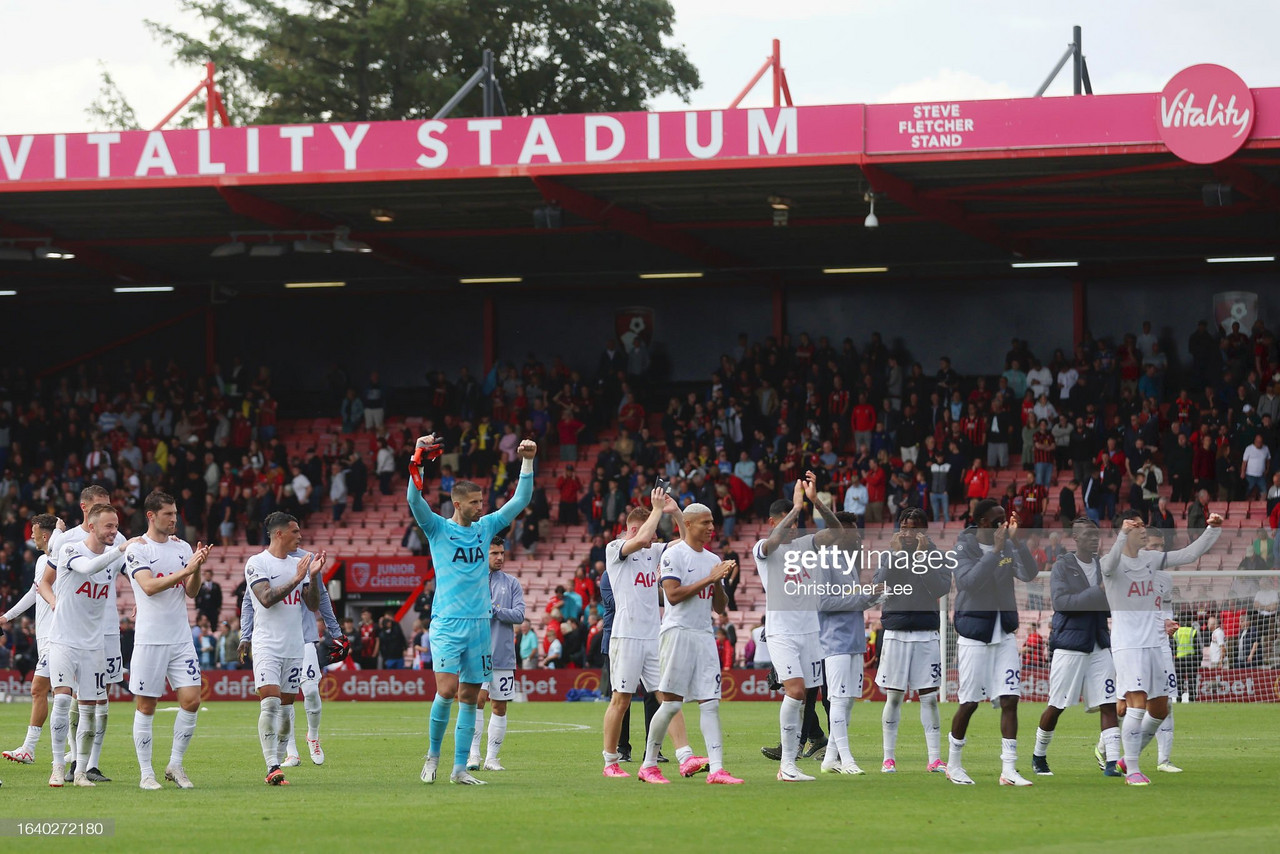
pixel 110 613
pixel 796 621
pixel 44 614
pixel 77 620
pixel 1135 598
pixel 634 580
pixel 162 618
pixel 682 563
pixel 277 631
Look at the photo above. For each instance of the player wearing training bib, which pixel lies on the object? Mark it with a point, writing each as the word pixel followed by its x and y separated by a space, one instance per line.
pixel 91 496
pixel 508 612
pixel 285 588
pixel 461 642
pixel 632 564
pixel 1082 666
pixel 163 571
pixel 688 662
pixel 42 528
pixel 842 629
pixel 1138 637
pixel 989 558
pixel 312 672
pixel 793 630
pixel 910 656
pixel 86 570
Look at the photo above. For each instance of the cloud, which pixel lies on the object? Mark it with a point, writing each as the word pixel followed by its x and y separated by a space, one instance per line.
pixel 727 11
pixel 949 84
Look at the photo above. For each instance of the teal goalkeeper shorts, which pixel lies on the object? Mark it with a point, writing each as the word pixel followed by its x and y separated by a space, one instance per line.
pixel 462 646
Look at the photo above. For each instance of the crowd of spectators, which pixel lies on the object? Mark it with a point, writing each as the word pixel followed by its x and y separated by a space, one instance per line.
pixel 1109 425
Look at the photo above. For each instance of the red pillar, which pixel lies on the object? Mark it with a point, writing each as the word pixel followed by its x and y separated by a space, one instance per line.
pixel 779 310
pixel 210 340
pixel 488 323
pixel 777 73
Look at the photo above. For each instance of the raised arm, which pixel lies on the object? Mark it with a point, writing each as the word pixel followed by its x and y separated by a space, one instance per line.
pixel 311 593
pixel 779 533
pixel 644 537
pixel 811 492
pixel 198 557
pixel 1197 548
pixel 507 513
pixel 1111 560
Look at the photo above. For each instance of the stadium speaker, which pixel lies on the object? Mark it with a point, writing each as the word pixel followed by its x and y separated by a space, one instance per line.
pixel 548 216
pixel 1216 195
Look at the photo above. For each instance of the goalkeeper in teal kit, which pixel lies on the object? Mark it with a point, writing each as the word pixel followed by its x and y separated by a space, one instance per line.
pixel 460 640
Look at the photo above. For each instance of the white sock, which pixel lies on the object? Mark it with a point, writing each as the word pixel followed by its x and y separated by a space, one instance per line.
pixel 841 708
pixel 72 730
pixel 33 738
pixel 311 704
pixel 270 709
pixel 1164 739
pixel 184 727
pixel 142 726
pixel 84 737
pixel 710 722
pixel 657 732
pixel 99 733
pixel 1042 742
pixel 931 720
pixel 59 726
pixel 889 721
pixel 284 733
pixel 497 734
pixel 1131 737
pixel 288 738
pixel 478 735
pixel 790 719
pixel 1111 743
pixel 610 758
pixel 1009 755
pixel 683 753
pixel 955 755
pixel 1150 725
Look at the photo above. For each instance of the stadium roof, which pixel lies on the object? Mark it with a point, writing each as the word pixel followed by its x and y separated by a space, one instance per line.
pixel 962 189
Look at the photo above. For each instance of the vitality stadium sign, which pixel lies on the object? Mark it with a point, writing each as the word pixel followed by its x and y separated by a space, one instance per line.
pixel 1204 114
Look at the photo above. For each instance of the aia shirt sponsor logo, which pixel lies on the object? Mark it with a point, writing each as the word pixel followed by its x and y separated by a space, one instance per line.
pixel 646 579
pixel 1142 588
pixel 92 591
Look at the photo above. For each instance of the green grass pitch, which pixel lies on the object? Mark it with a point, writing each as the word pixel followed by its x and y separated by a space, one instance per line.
pixel 368 792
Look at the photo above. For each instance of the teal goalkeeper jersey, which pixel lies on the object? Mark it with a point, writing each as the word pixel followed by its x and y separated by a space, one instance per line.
pixel 460 553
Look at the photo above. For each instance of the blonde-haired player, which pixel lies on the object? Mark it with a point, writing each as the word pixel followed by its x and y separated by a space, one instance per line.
pixel 688 660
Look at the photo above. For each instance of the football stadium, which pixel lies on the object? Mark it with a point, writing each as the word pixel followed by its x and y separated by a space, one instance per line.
pixel 480 462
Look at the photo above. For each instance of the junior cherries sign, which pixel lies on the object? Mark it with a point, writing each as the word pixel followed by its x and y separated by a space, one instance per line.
pixel 1206 113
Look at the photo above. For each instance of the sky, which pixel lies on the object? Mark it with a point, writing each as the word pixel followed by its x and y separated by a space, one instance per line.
pixel 834 51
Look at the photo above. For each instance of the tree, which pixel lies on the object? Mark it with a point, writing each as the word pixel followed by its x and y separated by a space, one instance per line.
pixel 369 60
pixel 111 109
